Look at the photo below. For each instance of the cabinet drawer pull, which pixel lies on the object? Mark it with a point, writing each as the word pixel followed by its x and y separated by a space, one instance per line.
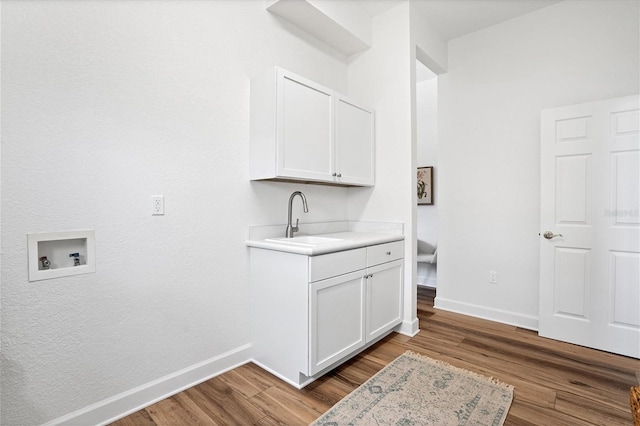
pixel 388 253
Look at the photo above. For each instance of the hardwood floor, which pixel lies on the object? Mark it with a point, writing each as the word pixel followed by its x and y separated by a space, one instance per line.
pixel 555 383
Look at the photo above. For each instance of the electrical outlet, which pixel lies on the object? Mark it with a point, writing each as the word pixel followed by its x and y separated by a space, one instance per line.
pixel 157 205
pixel 493 277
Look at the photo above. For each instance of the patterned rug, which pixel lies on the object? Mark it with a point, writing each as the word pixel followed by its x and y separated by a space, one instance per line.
pixel 417 390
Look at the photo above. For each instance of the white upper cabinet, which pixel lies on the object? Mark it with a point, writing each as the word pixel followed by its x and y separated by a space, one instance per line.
pixel 301 130
pixel 304 113
pixel 353 143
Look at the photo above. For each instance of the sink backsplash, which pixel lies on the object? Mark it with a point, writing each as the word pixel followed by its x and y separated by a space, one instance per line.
pixel 272 231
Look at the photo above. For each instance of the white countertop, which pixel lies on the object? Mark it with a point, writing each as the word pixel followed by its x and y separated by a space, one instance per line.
pixel 348 240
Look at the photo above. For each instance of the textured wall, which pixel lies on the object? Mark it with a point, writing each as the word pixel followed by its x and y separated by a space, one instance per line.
pixel 105 103
pixel 499 80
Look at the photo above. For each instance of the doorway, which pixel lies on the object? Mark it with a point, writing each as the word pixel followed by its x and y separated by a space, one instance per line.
pixel 427 156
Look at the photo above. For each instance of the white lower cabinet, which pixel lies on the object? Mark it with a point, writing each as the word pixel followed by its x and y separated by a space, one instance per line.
pixel 351 310
pixel 337 319
pixel 383 299
pixel 313 312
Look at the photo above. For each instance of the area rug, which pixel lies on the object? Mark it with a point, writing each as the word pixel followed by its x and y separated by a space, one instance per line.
pixel 417 390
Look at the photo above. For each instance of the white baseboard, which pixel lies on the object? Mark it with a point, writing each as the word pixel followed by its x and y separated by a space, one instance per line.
pixel 409 328
pixel 283 378
pixel 427 282
pixel 116 407
pixel 529 322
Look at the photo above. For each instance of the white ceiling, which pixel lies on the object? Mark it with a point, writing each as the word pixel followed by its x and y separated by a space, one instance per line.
pixel 455 18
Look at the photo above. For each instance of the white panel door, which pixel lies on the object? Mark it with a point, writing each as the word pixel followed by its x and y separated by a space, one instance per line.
pixel 590 225
pixel 304 128
pixel 354 143
pixel 336 324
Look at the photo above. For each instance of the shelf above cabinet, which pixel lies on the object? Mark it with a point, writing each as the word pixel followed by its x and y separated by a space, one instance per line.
pixel 340 25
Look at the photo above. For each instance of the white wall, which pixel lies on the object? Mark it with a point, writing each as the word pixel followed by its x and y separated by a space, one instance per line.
pixel 1 314
pixel 105 103
pixel 381 76
pixel 385 77
pixel 498 81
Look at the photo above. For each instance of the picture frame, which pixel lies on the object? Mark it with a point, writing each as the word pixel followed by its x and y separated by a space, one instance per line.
pixel 425 185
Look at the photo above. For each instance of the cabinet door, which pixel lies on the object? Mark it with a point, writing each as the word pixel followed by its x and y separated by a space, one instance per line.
pixel 336 309
pixel 304 128
pixel 354 159
pixel 384 298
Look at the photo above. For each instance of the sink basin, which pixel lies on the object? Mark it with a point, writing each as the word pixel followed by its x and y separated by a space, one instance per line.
pixel 305 240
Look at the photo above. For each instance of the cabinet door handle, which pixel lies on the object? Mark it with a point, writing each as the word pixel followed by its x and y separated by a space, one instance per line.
pixel 388 253
pixel 334 174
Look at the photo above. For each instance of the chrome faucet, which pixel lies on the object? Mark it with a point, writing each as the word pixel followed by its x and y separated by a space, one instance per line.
pixel 290 228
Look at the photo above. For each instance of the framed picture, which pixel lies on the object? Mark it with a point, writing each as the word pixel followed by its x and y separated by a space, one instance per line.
pixel 425 185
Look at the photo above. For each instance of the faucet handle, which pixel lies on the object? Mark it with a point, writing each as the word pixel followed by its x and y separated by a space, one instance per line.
pixel 295 228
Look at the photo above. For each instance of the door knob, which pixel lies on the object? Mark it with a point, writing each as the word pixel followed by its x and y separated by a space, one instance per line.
pixel 549 235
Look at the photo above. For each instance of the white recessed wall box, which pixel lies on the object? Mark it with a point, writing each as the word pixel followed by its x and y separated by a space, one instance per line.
pixel 60 254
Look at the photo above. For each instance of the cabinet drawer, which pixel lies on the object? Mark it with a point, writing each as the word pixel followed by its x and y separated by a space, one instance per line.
pixel 334 264
pixel 382 253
